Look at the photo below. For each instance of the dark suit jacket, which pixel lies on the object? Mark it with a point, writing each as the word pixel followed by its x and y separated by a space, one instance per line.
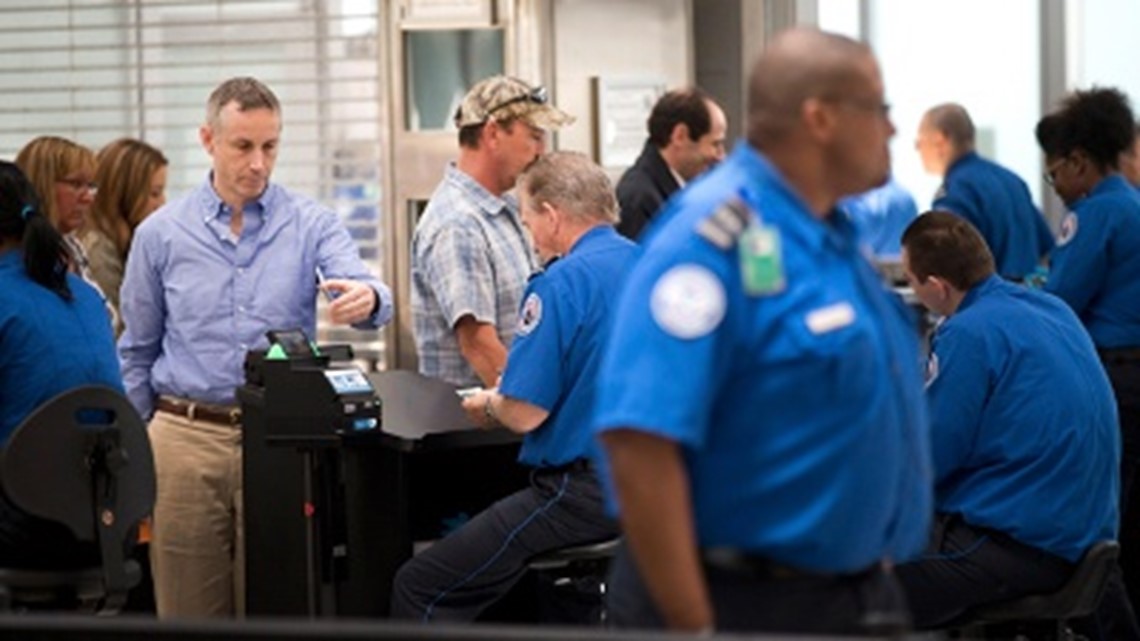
pixel 642 190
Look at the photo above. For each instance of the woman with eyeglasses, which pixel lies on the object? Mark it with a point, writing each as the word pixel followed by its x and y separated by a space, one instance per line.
pixel 54 337
pixel 132 184
pixel 1096 265
pixel 63 174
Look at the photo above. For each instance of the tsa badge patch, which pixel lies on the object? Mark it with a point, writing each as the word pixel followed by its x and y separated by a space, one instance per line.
pixel 530 316
pixel 688 301
pixel 1068 229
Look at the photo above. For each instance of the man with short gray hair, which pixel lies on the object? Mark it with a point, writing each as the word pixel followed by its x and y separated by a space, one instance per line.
pixel 547 393
pixel 208 275
pixel 994 199
pixel 470 256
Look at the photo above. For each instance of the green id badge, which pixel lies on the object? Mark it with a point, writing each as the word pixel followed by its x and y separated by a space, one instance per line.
pixel 761 260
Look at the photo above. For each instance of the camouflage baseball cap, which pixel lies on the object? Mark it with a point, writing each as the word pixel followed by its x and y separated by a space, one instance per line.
pixel 504 98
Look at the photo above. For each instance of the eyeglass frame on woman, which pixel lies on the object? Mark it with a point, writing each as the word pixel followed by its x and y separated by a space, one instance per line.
pixel 537 95
pixel 1051 169
pixel 79 185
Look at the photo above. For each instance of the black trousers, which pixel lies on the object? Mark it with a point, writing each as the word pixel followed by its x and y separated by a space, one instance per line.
pixel 966 566
pixel 466 571
pixel 751 601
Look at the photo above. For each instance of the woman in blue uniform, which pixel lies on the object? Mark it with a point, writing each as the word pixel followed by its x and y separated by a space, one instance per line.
pixel 1096 265
pixel 55 334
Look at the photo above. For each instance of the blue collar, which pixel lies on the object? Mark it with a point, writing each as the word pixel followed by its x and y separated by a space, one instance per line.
pixel 967 157
pixel 591 237
pixel 835 230
pixel 213 203
pixel 1112 183
pixel 983 288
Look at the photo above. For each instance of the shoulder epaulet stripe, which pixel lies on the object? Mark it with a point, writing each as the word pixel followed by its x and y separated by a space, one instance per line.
pixel 726 224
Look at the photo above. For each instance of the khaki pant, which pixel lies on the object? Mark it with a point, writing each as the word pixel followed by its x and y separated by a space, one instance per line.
pixel 197 554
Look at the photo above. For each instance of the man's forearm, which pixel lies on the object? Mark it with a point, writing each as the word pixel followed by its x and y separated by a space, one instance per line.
pixel 657 520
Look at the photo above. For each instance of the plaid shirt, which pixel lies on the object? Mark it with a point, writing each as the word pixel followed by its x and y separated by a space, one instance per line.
pixel 470 255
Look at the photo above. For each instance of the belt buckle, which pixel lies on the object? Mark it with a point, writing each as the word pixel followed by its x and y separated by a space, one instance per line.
pixel 235 415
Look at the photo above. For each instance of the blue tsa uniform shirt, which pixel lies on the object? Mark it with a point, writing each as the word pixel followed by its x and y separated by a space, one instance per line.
pixel 881 216
pixel 1096 266
pixel 554 359
pixel 1024 426
pixel 997 202
pixel 757 338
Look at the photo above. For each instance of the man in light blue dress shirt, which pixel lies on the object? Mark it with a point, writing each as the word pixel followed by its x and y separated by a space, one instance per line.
pixel 207 276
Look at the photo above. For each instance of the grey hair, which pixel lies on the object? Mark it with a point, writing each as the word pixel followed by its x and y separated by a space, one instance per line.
pixel 953 121
pixel 573 183
pixel 247 92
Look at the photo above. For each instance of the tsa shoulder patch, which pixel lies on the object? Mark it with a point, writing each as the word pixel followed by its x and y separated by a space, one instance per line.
pixel 1068 229
pixel 531 314
pixel 688 301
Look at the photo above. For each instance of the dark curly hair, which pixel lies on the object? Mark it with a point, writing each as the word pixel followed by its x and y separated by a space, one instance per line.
pixel 21 218
pixel 1098 121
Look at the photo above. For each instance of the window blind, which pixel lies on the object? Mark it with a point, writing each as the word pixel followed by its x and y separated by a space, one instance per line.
pixel 97 70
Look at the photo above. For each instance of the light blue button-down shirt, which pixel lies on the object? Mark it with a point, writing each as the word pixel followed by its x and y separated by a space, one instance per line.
pixel 196 298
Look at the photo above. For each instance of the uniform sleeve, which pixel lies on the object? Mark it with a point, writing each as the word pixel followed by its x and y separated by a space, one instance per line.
pixel 547 321
pixel 339 257
pixel 1080 264
pixel 143 308
pixel 957 388
pixel 668 350
pixel 459 273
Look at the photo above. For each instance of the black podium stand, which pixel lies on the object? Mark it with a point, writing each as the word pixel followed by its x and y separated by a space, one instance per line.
pixel 373 493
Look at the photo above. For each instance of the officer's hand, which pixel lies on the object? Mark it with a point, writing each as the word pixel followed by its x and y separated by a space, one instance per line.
pixel 475 406
pixel 352 301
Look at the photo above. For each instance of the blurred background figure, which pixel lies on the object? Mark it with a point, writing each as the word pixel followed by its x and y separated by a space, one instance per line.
pixel 54 337
pixel 1096 267
pixel 63 174
pixel 994 199
pixel 880 216
pixel 687 131
pixel 131 176
pixel 1130 160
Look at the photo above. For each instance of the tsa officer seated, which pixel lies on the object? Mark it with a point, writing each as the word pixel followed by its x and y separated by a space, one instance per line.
pixel 1023 428
pixel 547 392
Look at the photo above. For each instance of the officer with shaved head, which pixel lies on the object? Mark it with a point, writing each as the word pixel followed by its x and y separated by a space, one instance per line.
pixel 760 401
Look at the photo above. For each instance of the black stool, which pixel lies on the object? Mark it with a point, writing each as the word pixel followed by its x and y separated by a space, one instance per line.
pixel 82 459
pixel 576 578
pixel 1044 617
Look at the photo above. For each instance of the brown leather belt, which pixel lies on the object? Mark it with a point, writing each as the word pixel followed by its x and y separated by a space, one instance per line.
pixel 220 414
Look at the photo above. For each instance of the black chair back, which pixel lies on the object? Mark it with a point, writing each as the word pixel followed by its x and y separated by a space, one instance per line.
pixel 83 459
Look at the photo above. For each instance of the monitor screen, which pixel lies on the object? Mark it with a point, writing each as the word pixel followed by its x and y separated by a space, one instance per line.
pixel 348 381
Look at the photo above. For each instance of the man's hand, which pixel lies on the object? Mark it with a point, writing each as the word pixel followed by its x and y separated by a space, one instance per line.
pixel 352 301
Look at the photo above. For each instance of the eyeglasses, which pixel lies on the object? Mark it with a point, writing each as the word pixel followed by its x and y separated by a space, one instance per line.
pixel 79 186
pixel 1050 173
pixel 883 109
pixel 537 95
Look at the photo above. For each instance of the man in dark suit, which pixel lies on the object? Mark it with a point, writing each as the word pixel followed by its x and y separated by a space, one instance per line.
pixel 687 131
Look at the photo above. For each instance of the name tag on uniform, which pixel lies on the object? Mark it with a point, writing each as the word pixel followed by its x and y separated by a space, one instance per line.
pixel 830 318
